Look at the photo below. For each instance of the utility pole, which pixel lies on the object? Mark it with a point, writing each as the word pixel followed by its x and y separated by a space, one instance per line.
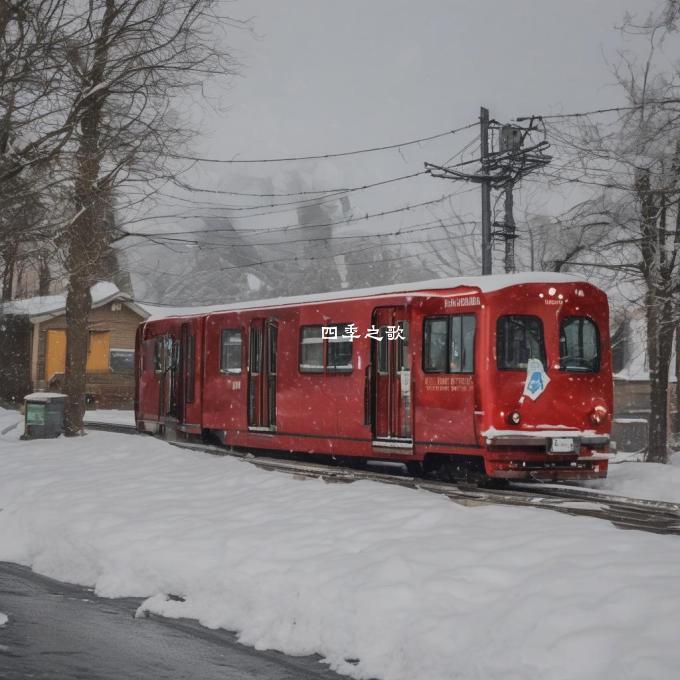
pixel 486 191
pixel 516 156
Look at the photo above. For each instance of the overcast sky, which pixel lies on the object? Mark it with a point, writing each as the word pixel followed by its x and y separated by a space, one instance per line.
pixel 322 76
pixel 329 75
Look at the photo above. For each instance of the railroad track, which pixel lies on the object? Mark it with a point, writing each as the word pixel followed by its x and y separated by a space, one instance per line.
pixel 626 513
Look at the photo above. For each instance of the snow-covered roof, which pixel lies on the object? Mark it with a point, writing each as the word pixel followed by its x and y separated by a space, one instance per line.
pixel 484 284
pixel 41 308
pixel 44 396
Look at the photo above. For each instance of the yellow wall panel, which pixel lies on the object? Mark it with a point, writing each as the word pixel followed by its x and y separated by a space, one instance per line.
pixel 98 353
pixel 55 361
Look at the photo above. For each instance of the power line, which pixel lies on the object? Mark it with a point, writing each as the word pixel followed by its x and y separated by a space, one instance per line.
pixel 615 109
pixel 411 142
pixel 409 229
pixel 321 193
pixel 311 258
pixel 288 227
pixel 319 198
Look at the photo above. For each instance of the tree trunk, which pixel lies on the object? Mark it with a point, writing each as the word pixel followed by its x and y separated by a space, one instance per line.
pixel 78 303
pixel 676 415
pixel 44 276
pixel 660 331
pixel 9 255
pixel 85 235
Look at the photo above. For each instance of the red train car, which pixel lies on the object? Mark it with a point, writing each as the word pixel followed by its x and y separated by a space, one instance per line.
pixel 502 377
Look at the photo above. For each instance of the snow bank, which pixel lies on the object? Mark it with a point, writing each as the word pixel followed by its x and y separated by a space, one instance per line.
pixel 9 420
pixel 644 480
pixel 384 582
pixel 110 416
pixel 3 619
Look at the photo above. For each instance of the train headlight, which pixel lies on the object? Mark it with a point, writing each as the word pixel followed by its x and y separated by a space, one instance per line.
pixel 598 415
pixel 514 418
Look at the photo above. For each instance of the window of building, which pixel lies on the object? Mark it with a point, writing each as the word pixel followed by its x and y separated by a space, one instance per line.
pixel 518 339
pixel 231 343
pixel 579 345
pixel 122 360
pixel 311 349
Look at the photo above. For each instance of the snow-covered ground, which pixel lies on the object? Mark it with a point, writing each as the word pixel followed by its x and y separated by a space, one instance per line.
pixel 9 420
pixel 643 480
pixel 3 619
pixel 110 416
pixel 383 582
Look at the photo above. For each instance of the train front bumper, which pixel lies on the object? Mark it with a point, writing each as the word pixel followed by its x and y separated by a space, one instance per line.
pixel 547 456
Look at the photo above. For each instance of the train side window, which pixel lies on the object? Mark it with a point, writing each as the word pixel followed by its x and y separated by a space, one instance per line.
pixel 190 369
pixel 158 355
pixel 255 358
pixel 311 349
pixel 403 359
pixel 272 332
pixel 383 351
pixel 518 339
pixel 339 355
pixel 435 340
pixel 579 345
pixel 231 342
pixel 462 345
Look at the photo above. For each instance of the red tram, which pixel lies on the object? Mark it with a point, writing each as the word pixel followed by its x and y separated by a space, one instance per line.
pixel 501 377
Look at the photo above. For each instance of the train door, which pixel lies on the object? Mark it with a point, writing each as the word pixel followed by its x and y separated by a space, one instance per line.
pixel 186 383
pixel 391 376
pixel 166 363
pixel 262 348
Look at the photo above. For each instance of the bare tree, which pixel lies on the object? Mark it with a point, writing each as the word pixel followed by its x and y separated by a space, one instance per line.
pixel 127 60
pixel 633 165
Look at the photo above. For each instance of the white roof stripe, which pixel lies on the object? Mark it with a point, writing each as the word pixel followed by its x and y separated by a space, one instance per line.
pixel 485 284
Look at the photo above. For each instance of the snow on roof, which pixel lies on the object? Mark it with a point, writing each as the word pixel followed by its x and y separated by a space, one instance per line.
pixel 484 284
pixel 54 305
pixel 44 396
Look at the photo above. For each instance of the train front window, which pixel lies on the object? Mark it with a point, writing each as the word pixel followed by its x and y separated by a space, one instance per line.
pixel 579 345
pixel 518 339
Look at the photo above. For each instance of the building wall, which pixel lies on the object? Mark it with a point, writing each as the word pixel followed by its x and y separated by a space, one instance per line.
pixel 15 358
pixel 631 398
pixel 109 388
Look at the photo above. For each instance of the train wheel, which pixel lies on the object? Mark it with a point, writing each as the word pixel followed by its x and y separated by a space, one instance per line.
pixel 415 468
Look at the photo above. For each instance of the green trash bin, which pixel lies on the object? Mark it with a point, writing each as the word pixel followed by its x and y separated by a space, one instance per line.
pixel 44 415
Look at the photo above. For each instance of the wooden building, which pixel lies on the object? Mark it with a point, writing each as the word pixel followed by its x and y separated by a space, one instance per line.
pixel 33 346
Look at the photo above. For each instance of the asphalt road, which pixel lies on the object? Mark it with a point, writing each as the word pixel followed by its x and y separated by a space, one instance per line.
pixel 61 631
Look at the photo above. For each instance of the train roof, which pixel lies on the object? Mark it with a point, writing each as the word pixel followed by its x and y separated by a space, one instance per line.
pixel 483 284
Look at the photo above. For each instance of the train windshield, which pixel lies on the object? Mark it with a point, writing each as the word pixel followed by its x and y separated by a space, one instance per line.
pixel 518 339
pixel 579 345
